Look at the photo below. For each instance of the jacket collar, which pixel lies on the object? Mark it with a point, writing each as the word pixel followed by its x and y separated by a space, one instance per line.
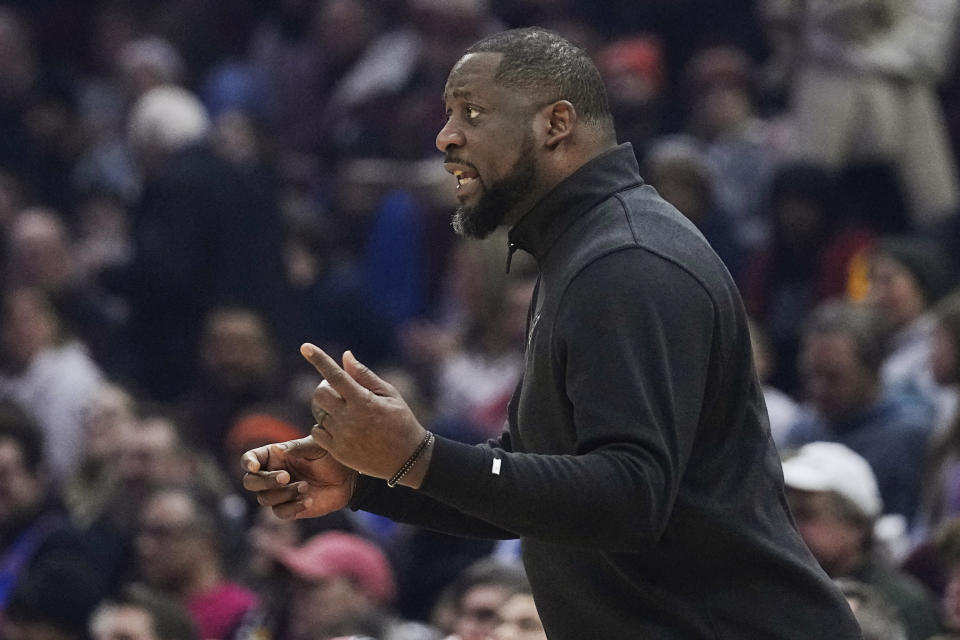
pixel 608 173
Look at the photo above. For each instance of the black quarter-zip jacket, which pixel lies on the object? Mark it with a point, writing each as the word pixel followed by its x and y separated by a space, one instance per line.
pixel 638 468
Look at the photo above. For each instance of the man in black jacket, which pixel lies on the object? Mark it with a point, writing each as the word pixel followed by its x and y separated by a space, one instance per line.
pixel 638 468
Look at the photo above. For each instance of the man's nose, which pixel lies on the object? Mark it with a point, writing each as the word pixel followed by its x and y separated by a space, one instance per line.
pixel 449 135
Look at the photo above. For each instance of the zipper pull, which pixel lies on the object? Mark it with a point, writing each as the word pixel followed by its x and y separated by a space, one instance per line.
pixel 511 247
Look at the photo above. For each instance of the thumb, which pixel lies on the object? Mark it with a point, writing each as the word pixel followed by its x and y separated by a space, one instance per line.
pixel 365 377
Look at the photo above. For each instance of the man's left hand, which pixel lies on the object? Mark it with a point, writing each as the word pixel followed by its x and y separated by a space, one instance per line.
pixel 361 419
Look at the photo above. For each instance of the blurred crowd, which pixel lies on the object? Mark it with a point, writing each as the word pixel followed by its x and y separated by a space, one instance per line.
pixel 189 190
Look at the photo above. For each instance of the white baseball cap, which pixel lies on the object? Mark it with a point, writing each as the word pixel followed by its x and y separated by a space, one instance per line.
pixel 831 466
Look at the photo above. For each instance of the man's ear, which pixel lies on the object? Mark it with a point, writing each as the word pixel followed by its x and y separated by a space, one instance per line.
pixel 561 118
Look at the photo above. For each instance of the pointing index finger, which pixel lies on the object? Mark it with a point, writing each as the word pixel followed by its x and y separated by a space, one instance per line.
pixel 330 370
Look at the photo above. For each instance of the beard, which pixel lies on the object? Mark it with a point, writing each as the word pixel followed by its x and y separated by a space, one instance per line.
pixel 503 196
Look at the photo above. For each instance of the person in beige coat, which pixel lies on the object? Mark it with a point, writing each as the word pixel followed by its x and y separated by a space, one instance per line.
pixel 865 89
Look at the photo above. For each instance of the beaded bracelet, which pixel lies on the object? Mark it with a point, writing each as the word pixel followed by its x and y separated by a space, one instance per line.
pixel 412 460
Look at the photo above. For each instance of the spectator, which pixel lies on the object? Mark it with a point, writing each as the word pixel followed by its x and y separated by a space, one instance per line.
pixel 468 609
pixel 51 375
pixel 301 55
pixel 518 618
pixel 107 423
pixel 34 527
pixel 841 356
pixel 342 585
pixel 41 254
pixel 741 148
pixel 834 498
pixel 53 601
pixel 132 66
pixel 207 234
pixel 140 613
pixel 866 89
pixel 941 484
pixel 153 454
pixel 238 368
pixel 908 275
pixel 678 168
pixel 180 546
pixel 784 281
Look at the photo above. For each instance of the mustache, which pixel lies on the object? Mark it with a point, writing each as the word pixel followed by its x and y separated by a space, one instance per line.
pixel 447 158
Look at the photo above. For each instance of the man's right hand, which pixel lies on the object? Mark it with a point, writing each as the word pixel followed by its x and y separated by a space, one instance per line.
pixel 297 478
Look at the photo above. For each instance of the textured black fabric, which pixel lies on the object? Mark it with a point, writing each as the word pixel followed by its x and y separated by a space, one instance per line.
pixel 638 469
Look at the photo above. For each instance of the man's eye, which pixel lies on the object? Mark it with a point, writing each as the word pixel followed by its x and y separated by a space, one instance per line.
pixel 471 112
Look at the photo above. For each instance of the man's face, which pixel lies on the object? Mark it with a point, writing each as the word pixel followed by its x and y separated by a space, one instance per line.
pixel 477 614
pixel 147 452
pixel 320 604
pixel 519 620
pixel 837 381
pixel 235 351
pixel 168 542
pixel 488 144
pixel 895 292
pixel 832 540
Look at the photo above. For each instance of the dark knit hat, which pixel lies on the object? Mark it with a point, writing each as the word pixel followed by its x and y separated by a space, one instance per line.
pixel 924 258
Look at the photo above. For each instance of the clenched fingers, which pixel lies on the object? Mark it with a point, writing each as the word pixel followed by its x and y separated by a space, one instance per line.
pixel 281 495
pixel 266 480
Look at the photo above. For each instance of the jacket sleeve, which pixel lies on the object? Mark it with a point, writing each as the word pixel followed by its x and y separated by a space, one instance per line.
pixel 633 339
pixel 402 504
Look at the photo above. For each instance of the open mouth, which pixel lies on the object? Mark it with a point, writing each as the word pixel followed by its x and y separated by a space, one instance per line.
pixel 466 176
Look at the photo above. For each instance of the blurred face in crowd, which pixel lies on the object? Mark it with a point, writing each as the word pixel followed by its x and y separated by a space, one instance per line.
pixel 519 620
pixel 122 622
pixel 29 326
pixel 834 540
pixel 40 252
pixel 837 381
pixel 20 488
pixel 488 145
pixel 894 291
pixel 236 351
pixel 150 453
pixel 320 603
pixel 477 615
pixel 169 542
pixel 106 424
